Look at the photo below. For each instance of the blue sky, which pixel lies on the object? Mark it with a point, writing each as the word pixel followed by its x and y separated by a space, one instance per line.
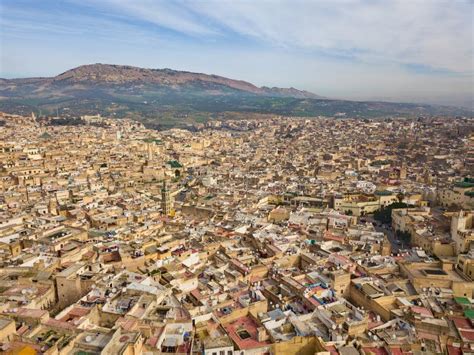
pixel 405 50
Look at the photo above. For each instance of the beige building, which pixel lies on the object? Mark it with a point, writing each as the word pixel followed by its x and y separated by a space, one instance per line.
pixel 462 230
pixel 362 204
pixel 73 283
pixel 402 218
pixel 441 274
pixel 461 194
pixel 465 263
pixel 7 329
pixel 278 214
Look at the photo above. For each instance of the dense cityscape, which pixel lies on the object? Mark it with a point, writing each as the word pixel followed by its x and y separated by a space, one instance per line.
pixel 279 235
pixel 215 177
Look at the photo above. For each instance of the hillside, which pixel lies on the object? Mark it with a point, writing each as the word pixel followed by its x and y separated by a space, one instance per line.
pixel 170 97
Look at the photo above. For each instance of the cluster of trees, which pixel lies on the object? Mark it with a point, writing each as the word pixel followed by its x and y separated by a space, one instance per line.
pixel 404 237
pixel 384 215
pixel 68 121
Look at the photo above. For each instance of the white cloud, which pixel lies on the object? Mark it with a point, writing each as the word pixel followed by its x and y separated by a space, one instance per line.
pixel 434 33
pixel 339 48
pixel 167 14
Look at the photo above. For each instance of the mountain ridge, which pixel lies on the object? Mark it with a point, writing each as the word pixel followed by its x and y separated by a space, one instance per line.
pixel 126 74
pixel 167 97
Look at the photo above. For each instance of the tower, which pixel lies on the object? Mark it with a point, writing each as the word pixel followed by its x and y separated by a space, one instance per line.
pixel 149 152
pixel 461 224
pixel 386 248
pixel 165 199
pixel 403 171
pixel 53 206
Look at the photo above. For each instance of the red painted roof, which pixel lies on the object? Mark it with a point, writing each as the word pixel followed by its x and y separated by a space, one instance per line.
pixel 453 350
pixel 59 324
pixel 467 334
pixel 375 351
pixel 462 323
pixel 396 351
pixel 248 324
pixel 422 310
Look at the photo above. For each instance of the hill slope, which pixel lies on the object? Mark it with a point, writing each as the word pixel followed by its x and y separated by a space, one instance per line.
pixel 158 95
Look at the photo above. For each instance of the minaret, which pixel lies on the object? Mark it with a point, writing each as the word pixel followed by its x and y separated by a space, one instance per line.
pixel 165 199
pixel 53 206
pixel 149 152
pixel 403 171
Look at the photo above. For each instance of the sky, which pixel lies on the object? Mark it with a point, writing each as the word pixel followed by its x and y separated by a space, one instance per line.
pixel 405 50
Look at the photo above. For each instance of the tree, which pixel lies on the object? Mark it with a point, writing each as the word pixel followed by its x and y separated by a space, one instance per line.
pixel 404 237
pixel 384 215
pixel 400 196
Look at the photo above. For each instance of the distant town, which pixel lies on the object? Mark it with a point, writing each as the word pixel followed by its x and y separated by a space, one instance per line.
pixel 278 235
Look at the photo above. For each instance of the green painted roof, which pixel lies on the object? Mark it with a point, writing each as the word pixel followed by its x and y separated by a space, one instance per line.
pixel 380 162
pixel 175 164
pixel 462 300
pixel 383 193
pixel 465 183
pixel 469 313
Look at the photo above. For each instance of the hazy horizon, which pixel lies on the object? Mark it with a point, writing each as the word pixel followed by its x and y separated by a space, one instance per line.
pixel 402 51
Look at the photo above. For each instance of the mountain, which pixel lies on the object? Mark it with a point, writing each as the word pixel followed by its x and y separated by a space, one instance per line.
pixel 290 92
pixel 170 97
pixel 122 75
